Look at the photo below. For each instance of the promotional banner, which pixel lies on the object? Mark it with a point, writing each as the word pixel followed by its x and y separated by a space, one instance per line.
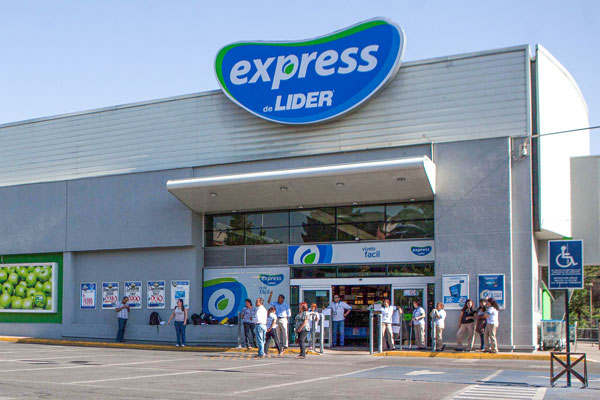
pixel 565 264
pixel 180 290
pixel 226 290
pixel 133 290
pixel 360 253
pixel 491 285
pixel 110 295
pixel 28 288
pixel 455 291
pixel 314 80
pixel 88 296
pixel 156 295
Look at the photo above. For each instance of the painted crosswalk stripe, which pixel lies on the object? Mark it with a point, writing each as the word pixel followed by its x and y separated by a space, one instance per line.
pixel 488 391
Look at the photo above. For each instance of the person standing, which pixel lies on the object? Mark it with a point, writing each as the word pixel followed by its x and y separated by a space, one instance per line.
pixel 480 322
pixel 439 319
pixel 387 312
pixel 283 314
pixel 249 320
pixel 180 313
pixel 491 320
pixel 313 315
pixel 418 323
pixel 122 317
pixel 301 325
pixel 261 327
pixel 466 326
pixel 272 331
pixel 339 311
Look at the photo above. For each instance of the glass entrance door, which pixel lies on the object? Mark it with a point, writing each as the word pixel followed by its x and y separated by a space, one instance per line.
pixel 318 296
pixel 404 298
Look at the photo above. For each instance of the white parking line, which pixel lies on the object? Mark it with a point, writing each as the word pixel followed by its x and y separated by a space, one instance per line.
pixel 304 381
pixel 174 373
pixel 90 366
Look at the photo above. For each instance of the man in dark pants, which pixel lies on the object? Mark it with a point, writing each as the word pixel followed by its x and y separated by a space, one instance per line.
pixel 122 317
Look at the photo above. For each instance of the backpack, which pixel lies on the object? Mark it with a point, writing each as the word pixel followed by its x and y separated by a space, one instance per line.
pixel 154 318
pixel 196 320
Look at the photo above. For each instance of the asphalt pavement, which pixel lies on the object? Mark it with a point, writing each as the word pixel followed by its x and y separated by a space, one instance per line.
pixel 35 371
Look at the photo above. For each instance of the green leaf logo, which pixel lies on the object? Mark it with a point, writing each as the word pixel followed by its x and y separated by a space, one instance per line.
pixel 221 305
pixel 288 70
pixel 310 258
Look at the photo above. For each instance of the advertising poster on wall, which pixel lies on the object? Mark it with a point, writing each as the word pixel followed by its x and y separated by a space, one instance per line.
pixel 491 285
pixel 28 288
pixel 180 290
pixel 226 290
pixel 156 295
pixel 133 290
pixel 110 295
pixel 88 296
pixel 455 291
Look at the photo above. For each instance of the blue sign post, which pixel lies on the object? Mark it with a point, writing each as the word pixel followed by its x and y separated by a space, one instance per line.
pixel 565 271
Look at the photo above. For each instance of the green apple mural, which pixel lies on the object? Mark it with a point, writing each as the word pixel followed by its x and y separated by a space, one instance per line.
pixel 26 287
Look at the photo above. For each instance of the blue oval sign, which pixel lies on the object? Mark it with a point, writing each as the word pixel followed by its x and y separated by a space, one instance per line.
pixel 310 81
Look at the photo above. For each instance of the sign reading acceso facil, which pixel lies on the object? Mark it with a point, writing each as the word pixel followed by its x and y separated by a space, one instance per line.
pixel 303 82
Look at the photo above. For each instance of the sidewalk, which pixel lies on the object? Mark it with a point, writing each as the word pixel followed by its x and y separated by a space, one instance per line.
pixel 591 350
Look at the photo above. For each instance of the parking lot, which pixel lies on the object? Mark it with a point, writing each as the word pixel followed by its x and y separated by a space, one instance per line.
pixel 44 371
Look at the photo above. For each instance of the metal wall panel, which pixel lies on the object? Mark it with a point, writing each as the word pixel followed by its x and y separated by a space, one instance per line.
pixel 471 96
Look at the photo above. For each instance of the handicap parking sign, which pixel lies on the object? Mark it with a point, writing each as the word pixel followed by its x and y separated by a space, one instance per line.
pixel 565 264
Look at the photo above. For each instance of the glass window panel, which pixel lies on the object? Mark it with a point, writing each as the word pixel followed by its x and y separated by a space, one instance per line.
pixel 409 229
pixel 357 271
pixel 268 219
pixel 409 211
pixel 225 238
pixel 267 235
pixel 312 233
pixel 223 222
pixel 410 270
pixel 315 272
pixel 312 217
pixel 360 214
pixel 363 231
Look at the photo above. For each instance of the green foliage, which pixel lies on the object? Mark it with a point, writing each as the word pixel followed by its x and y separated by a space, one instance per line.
pixel 579 306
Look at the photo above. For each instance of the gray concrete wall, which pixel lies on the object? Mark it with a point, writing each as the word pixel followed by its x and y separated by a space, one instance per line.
pixel 585 205
pixel 473 219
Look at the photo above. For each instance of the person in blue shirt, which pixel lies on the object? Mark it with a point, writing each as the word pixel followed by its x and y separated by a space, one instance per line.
pixel 283 312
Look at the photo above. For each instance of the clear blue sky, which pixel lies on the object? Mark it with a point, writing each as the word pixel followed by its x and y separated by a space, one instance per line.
pixel 65 56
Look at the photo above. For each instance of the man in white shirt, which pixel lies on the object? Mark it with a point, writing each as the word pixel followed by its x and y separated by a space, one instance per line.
pixel 418 323
pixel 122 317
pixel 339 311
pixel 283 312
pixel 439 319
pixel 261 326
pixel 387 311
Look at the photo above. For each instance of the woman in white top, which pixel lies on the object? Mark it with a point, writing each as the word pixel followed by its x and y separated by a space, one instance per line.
pixel 439 318
pixel 387 311
pixel 272 331
pixel 491 315
pixel 180 313
pixel 418 323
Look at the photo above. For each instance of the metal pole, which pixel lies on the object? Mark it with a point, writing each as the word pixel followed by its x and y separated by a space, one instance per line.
pixel 322 338
pixel 568 338
pixel 313 335
pixel 380 324
pixel 240 323
pixel 401 326
pixel 371 332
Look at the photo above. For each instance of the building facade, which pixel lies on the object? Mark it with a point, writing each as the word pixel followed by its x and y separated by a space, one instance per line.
pixel 439 180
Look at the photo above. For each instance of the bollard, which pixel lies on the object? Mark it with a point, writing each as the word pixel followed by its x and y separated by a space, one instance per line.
pixel 313 336
pixel 371 332
pixel 322 325
pixel 239 333
pixel 380 325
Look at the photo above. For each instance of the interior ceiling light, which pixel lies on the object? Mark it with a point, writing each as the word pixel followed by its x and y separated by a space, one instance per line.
pixel 354 203
pixel 283 188
pixel 401 179
pixel 213 194
pixel 339 184
pixel 300 206
pixel 413 199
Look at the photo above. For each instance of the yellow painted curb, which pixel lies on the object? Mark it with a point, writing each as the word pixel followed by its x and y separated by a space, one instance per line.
pixel 139 346
pixel 480 356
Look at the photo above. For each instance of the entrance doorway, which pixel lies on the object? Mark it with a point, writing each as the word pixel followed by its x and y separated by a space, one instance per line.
pixel 404 297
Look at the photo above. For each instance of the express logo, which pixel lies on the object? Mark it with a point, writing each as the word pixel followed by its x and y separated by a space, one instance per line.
pixel 310 81
pixel 420 251
pixel 311 254
pixel 485 294
pixel 223 297
pixel 271 280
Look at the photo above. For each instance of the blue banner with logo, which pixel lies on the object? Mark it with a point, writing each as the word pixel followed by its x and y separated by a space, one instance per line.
pixel 491 285
pixel 313 80
pixel 565 264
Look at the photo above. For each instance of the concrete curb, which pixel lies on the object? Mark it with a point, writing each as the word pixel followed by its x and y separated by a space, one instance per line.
pixel 140 346
pixel 469 355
